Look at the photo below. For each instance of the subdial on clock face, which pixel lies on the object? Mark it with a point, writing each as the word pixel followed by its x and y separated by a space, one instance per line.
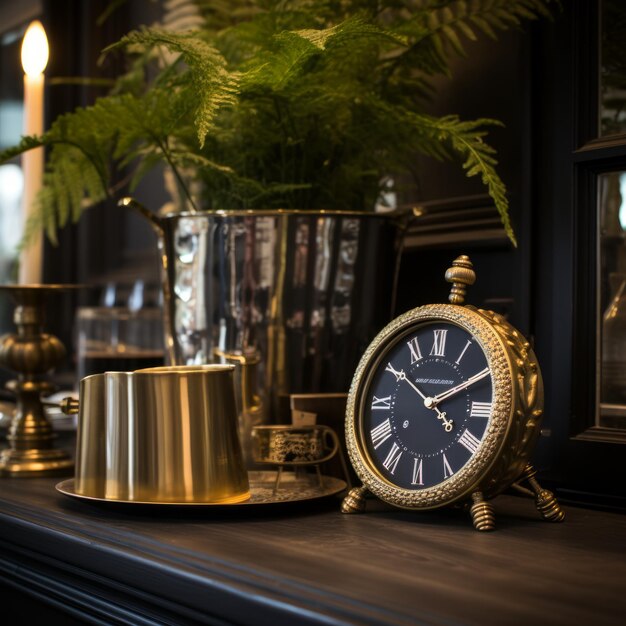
pixel 428 406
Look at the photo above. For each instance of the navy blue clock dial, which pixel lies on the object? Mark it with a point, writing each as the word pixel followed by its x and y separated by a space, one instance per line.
pixel 428 405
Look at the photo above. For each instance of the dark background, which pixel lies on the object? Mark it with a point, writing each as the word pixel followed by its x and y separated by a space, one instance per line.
pixel 542 84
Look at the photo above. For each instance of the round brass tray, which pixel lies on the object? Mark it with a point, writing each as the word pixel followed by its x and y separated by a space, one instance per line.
pixel 292 489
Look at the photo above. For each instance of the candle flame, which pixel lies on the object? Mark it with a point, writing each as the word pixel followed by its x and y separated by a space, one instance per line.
pixel 34 49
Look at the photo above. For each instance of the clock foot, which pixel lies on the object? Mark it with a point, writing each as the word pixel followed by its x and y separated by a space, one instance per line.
pixel 545 500
pixel 548 506
pixel 483 516
pixel 354 502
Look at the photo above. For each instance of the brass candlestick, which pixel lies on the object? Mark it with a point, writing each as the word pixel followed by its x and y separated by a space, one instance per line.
pixel 31 353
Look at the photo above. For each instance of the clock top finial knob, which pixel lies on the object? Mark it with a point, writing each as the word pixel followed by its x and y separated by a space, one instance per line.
pixel 461 275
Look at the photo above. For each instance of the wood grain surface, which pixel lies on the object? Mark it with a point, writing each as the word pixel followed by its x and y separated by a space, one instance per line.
pixel 310 564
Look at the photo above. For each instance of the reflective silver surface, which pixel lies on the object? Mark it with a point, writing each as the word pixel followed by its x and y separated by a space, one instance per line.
pixel 301 292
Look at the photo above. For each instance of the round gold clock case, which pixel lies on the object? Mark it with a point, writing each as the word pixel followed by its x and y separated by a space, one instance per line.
pixel 513 425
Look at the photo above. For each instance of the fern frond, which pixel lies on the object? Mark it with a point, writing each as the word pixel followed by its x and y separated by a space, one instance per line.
pixel 86 146
pixel 277 103
pixel 436 27
pixel 351 29
pixel 291 52
pixel 213 85
pixel 186 159
pixel 26 143
pixel 467 140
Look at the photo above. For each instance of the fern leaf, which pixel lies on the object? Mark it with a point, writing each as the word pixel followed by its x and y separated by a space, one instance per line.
pixel 214 84
pixel 465 28
pixel 297 103
pixel 484 25
pixel 454 40
pixel 187 158
pixel 466 140
pixel 26 143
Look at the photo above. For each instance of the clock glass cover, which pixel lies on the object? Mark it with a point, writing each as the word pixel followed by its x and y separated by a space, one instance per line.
pixel 428 405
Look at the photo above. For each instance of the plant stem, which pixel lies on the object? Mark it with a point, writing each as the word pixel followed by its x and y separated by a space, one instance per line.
pixel 179 179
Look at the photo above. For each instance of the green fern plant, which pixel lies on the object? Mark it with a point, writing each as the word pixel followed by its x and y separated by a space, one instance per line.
pixel 277 103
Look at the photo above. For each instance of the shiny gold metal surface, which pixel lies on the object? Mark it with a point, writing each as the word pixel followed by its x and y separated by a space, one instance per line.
pixel 31 353
pixel 251 408
pixel 482 513
pixel 461 275
pixel 294 446
pixel 281 444
pixel 545 500
pixel 163 434
pixel 354 502
pixel 512 430
pixel 90 436
pixel 294 488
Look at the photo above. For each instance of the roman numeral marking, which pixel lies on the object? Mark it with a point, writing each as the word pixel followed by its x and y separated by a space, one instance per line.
pixel 414 347
pixel 398 375
pixel 467 345
pixel 381 433
pixel 447 470
pixel 391 462
pixel 381 404
pixel 439 342
pixel 468 440
pixel 417 472
pixel 480 409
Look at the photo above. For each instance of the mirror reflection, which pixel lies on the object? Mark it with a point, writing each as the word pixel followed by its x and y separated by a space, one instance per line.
pixel 613 67
pixel 612 299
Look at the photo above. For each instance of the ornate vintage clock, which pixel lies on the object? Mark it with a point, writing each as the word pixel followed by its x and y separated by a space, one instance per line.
pixel 444 409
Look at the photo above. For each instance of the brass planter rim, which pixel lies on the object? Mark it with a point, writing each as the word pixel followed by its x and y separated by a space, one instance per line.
pixel 101 374
pixel 289 427
pixel 168 370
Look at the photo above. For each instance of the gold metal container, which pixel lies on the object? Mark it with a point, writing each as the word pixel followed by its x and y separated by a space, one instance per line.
pixel 292 445
pixel 90 462
pixel 164 434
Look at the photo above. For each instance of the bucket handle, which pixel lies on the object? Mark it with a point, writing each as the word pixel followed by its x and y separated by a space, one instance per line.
pixel 131 203
pixel 406 216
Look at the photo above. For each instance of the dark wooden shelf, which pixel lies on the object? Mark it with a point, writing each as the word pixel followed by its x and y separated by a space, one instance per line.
pixel 309 565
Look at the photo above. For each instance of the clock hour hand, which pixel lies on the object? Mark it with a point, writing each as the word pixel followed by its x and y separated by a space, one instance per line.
pixel 432 403
pixel 446 423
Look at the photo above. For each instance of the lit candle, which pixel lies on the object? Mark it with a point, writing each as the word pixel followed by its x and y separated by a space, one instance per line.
pixel 34 61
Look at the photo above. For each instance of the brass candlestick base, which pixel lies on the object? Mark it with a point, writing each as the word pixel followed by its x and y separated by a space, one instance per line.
pixel 31 353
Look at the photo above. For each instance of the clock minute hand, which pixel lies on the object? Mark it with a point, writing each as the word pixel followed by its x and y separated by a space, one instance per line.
pixel 410 382
pixel 433 402
pixel 446 423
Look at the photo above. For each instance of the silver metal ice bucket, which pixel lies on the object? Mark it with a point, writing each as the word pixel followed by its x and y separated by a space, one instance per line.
pixel 294 297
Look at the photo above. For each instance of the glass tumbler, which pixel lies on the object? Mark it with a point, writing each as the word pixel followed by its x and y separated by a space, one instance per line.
pixel 118 339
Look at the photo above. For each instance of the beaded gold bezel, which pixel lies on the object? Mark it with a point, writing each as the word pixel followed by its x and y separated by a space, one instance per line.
pixel 469 477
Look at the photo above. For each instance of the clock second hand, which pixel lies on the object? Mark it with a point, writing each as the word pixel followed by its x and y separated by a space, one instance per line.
pixel 446 423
